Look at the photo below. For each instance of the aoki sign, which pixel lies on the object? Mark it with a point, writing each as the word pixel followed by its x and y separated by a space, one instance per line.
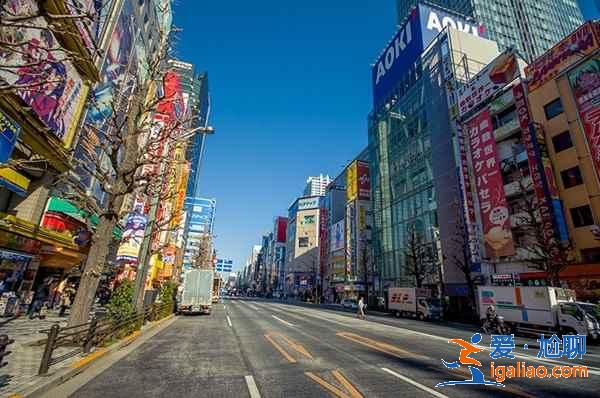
pixel 423 24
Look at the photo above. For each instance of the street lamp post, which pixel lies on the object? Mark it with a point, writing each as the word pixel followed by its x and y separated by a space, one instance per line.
pixel 144 256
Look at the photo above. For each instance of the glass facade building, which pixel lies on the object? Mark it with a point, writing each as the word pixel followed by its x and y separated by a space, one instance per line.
pixel 529 26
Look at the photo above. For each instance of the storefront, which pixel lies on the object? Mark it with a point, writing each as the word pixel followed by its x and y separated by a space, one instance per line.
pixel 583 278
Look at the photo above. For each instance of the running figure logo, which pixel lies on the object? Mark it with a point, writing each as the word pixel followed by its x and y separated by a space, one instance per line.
pixel 472 364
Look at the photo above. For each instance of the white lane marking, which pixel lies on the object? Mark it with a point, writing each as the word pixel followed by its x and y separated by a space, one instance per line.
pixel 252 389
pixel 229 321
pixel 282 321
pixel 252 306
pixel 414 383
pixel 591 370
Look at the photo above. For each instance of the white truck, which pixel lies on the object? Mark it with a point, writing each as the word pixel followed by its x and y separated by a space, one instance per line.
pixel 197 293
pixel 534 310
pixel 414 302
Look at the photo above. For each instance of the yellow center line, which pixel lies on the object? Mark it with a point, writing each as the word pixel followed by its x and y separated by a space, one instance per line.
pixel 346 383
pixel 379 346
pixel 323 383
pixel 280 349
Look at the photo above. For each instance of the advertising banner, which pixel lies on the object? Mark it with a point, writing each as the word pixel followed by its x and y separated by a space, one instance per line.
pixel 489 81
pixel 490 187
pixel 351 182
pixel 337 236
pixel 583 41
pixel 364 180
pixel 9 132
pixel 132 238
pixel 467 199
pixel 536 166
pixel 417 32
pixel 350 238
pixel 281 227
pixel 323 240
pixel 585 83
pixel 51 86
pixel 308 203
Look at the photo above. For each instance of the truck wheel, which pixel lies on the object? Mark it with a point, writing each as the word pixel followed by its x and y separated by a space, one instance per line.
pixel 567 331
pixel 397 314
pixel 421 316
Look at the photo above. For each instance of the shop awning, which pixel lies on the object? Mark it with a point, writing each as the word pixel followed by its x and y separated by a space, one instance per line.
pixel 14 181
pixel 59 257
pixel 64 206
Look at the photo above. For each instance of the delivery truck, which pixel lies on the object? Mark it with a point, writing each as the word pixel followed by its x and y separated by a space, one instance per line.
pixel 197 292
pixel 414 302
pixel 540 309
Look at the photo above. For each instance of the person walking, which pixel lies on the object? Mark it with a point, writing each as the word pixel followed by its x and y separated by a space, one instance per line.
pixel 65 299
pixel 361 309
pixel 41 295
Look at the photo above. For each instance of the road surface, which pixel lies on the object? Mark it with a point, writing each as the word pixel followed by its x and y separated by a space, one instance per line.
pixel 257 348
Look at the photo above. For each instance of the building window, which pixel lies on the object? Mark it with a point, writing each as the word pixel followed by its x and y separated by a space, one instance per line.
pixel 582 216
pixel 553 109
pixel 309 219
pixel 571 177
pixel 303 242
pixel 562 141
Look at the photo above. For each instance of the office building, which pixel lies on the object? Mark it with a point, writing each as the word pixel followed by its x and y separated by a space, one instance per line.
pixel 316 186
pixel 529 26
pixel 413 166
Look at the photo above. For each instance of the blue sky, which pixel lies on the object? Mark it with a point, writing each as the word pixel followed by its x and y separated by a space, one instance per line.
pixel 290 87
pixel 589 8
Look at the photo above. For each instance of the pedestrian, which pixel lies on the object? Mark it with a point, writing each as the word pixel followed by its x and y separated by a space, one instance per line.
pixel 361 308
pixel 41 294
pixel 65 299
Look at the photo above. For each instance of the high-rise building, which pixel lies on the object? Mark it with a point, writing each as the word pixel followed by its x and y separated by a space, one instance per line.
pixel 200 222
pixel 529 26
pixel 316 186
pixel 463 7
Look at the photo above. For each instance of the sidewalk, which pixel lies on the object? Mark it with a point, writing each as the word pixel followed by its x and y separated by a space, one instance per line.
pixel 26 351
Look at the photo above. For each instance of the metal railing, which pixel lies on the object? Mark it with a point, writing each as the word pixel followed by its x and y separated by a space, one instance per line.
pixel 82 338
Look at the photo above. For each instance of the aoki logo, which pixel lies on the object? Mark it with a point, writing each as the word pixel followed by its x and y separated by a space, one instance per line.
pixel 434 22
pixel 393 52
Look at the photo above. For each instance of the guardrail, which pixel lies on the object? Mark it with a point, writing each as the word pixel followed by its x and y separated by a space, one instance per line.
pixel 82 338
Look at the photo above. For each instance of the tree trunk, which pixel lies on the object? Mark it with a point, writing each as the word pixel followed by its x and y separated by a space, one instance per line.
pixel 80 310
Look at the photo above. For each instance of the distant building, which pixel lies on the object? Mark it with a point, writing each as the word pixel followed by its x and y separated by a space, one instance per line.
pixel 316 186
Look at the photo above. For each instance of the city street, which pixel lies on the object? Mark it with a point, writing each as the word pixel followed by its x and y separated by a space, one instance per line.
pixel 257 348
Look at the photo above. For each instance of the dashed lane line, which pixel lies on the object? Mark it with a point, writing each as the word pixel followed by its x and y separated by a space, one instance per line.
pixel 252 388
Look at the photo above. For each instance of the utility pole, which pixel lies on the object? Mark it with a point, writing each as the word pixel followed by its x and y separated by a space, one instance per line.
pixel 144 256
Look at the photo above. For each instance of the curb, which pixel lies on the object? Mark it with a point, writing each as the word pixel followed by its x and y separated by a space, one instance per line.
pixel 63 375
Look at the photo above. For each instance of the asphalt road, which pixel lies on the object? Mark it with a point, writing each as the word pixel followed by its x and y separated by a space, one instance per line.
pixel 251 348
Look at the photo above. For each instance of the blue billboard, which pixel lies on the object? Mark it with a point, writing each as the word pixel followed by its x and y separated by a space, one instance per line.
pixel 224 265
pixel 423 24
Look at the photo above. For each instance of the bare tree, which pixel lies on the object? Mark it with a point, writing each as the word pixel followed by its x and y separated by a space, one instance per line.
pixel 420 261
pixel 205 252
pixel 544 250
pixel 136 143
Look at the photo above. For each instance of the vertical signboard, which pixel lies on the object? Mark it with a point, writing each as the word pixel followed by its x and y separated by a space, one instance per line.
pixel 350 239
pixel 351 182
pixel 363 180
pixel 132 238
pixel 540 173
pixel 585 83
pixel 490 187
pixel 323 240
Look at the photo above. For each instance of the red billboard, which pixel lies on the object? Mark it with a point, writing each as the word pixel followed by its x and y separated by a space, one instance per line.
pixel 323 240
pixel 363 180
pixel 585 83
pixel 535 165
pixel 490 187
pixel 281 228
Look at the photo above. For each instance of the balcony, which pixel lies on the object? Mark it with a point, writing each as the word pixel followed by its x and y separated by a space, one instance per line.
pixel 506 130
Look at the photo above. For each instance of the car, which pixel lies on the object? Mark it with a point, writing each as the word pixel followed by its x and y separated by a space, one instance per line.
pixel 350 304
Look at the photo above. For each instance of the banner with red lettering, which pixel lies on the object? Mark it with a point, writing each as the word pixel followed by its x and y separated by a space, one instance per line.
pixel 490 187
pixel 585 83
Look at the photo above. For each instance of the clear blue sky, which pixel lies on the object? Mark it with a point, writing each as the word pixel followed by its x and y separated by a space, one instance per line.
pixel 290 87
pixel 590 8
